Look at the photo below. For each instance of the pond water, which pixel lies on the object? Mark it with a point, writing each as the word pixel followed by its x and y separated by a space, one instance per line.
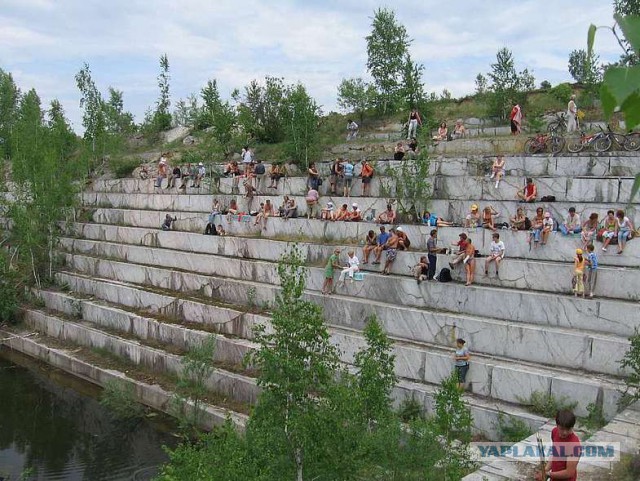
pixel 52 427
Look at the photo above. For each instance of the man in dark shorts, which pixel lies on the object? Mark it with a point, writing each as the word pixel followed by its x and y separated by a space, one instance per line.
pixel 366 174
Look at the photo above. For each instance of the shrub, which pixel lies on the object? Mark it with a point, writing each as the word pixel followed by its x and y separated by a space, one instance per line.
pixel 562 92
pixel 546 404
pixel 119 398
pixel 124 166
pixel 512 429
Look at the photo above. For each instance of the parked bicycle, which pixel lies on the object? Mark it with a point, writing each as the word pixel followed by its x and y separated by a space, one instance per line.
pixel 544 143
pixel 632 141
pixel 600 142
pixel 559 125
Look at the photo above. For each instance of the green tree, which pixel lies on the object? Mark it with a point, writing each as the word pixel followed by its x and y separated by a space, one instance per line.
pixel 376 377
pixel 93 116
pixel 481 84
pixel 583 68
pixel 387 48
pixel 162 116
pixel 218 114
pixel 63 140
pixel 301 115
pixel 627 8
pixel 412 90
pixel 297 362
pixel 188 113
pixel 507 85
pixel 260 110
pixel 9 99
pixel 117 121
pixel 357 96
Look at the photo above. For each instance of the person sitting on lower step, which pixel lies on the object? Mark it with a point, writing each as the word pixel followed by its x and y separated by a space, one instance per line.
pixel 168 222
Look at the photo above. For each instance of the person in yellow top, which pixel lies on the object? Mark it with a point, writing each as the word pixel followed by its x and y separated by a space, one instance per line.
pixel 579 264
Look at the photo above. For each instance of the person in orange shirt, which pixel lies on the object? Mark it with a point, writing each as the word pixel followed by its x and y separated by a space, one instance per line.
pixel 367 175
pixel 578 273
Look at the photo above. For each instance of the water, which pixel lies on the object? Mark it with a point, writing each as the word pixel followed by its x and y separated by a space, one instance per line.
pixel 52 426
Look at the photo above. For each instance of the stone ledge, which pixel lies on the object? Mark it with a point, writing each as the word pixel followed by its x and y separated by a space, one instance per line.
pixel 150 395
pixel 238 387
pixel 515 273
pixel 597 315
pixel 550 345
pixel 559 248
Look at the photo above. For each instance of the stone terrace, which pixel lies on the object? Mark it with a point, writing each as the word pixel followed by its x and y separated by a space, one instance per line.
pixel 146 295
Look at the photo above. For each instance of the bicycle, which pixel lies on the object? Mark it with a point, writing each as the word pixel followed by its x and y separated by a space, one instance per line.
pixel 620 141
pixel 600 142
pixel 632 141
pixel 544 142
pixel 559 125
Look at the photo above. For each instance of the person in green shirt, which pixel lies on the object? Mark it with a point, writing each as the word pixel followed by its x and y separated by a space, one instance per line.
pixel 332 264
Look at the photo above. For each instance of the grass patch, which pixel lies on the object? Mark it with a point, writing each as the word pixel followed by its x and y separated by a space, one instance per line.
pixel 124 166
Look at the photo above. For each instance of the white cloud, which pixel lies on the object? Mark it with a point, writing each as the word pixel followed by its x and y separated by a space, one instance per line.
pixel 44 42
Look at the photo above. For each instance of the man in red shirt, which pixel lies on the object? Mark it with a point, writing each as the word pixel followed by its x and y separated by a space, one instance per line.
pixel 529 192
pixel 566 449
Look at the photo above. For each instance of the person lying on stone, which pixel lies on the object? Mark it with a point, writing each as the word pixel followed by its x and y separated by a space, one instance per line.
pixel 434 220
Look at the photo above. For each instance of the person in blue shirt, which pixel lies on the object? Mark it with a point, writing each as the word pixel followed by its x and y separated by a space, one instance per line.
pixel 434 221
pixel 348 177
pixel 591 273
pixel 383 237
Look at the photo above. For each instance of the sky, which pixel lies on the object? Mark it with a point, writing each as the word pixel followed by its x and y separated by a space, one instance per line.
pixel 44 43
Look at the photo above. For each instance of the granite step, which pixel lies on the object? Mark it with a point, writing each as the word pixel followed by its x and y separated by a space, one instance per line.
pixel 528 274
pixel 546 344
pixel 533 307
pixel 238 387
pixel 498 378
pixel 558 249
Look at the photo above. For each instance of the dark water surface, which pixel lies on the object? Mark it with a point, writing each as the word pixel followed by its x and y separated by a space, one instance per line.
pixel 53 425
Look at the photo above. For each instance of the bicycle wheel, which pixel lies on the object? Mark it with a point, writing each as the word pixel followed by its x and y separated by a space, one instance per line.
pixel 552 126
pixel 531 146
pixel 632 142
pixel 574 144
pixel 555 144
pixel 602 144
pixel 618 141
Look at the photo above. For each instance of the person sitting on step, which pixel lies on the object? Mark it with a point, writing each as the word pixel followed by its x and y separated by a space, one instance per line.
pixel 383 237
pixel 473 218
pixel 610 226
pixel 488 215
pixel 355 214
pixel 403 239
pixel 459 255
pixel 353 266
pixel 167 224
pixel 387 217
pixel 370 243
pixel 421 270
pixel 328 213
pixel 343 212
pixel 529 192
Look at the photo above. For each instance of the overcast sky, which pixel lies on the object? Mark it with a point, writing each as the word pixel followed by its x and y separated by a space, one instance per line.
pixel 43 43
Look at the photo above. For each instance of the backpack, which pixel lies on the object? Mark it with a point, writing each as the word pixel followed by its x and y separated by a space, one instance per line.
pixel 445 275
pixel 259 168
pixel 548 198
pixel 527 223
pixel 348 170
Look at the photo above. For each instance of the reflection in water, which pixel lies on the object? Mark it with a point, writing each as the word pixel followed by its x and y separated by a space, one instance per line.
pixel 53 424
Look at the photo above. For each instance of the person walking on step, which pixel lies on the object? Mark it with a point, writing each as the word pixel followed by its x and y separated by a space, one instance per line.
pixel 566 448
pixel 352 130
pixel 591 274
pixel 414 121
pixel 461 362
pixel 432 254
pixel 332 264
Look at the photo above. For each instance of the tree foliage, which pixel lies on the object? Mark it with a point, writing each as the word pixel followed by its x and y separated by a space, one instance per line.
pixel 628 8
pixel 93 116
pixel 260 110
pixel 357 96
pixel 9 98
pixel 507 85
pixel 162 116
pixel 584 68
pixel 218 114
pixel 301 116
pixel 387 48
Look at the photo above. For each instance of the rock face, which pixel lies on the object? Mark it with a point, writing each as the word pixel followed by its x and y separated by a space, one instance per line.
pixel 175 134
pixel 191 140
pixel 526 330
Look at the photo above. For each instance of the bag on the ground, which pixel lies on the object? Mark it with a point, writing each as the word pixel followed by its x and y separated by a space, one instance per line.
pixel 548 198
pixel 319 182
pixel 445 275
pixel 527 223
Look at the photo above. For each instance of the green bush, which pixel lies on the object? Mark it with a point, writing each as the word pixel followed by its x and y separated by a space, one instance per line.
pixel 546 404
pixel 512 429
pixel 124 166
pixel 8 290
pixel 562 92
pixel 119 398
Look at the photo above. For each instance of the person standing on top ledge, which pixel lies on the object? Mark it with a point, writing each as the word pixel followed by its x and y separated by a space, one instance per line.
pixel 572 115
pixel 352 130
pixel 414 121
pixel 516 119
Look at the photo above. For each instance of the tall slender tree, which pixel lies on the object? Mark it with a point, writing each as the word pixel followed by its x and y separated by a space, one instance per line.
pixel 162 116
pixel 93 117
